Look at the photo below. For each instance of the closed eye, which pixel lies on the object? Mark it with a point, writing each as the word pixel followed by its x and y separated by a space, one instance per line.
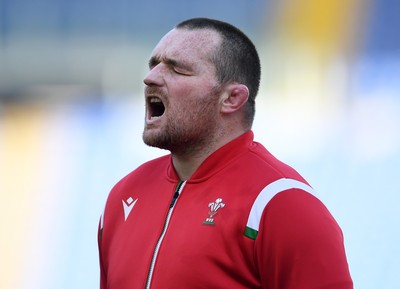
pixel 179 71
pixel 175 66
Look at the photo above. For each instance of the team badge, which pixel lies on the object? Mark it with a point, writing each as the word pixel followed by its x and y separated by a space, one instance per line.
pixel 214 207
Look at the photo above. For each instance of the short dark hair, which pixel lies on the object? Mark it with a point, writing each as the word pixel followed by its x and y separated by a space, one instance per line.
pixel 235 60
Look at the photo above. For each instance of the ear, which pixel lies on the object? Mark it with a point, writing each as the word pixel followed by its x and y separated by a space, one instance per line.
pixel 235 96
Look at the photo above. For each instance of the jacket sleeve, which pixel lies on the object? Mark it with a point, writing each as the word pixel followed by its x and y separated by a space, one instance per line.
pixel 300 245
pixel 103 280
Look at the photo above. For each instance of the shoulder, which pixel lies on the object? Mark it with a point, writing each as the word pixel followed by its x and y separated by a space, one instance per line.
pixel 297 218
pixel 267 160
pixel 300 237
pixel 277 197
pixel 297 209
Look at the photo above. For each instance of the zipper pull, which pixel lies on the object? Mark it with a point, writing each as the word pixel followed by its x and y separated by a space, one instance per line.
pixel 176 194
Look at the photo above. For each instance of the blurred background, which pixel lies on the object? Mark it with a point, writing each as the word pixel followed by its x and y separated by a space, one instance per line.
pixel 72 110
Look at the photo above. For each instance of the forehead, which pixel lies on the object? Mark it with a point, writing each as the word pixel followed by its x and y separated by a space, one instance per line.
pixel 187 45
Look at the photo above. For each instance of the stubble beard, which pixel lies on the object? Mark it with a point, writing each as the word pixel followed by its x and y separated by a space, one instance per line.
pixel 186 132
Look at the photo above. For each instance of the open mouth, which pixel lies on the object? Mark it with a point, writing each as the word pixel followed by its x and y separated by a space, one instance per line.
pixel 156 107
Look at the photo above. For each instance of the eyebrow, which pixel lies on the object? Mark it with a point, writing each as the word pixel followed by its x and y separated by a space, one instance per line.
pixel 154 60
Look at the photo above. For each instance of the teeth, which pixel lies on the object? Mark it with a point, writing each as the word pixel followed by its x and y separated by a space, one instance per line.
pixel 155 100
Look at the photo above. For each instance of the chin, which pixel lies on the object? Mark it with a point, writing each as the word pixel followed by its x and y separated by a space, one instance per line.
pixel 155 140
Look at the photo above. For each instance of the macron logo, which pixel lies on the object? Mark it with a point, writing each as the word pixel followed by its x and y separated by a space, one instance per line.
pixel 128 206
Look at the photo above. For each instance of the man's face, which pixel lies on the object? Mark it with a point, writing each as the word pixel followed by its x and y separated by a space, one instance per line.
pixel 182 103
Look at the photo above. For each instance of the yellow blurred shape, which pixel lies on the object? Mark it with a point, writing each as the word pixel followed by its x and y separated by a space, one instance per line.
pixel 323 24
pixel 20 139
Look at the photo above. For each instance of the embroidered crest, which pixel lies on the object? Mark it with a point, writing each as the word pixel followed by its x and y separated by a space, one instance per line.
pixel 214 207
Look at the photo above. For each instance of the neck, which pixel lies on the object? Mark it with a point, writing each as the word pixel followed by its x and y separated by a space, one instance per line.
pixel 186 163
pixel 185 167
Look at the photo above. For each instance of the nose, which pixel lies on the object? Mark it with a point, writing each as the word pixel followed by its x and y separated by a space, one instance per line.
pixel 154 76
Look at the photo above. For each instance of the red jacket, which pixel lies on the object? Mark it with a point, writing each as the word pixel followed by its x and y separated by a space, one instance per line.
pixel 243 220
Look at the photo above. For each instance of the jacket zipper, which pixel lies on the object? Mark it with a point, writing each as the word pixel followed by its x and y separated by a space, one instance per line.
pixel 178 191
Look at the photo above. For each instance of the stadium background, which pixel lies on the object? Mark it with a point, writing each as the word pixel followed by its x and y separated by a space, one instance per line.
pixel 71 117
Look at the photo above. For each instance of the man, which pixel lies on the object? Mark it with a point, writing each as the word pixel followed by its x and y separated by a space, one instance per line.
pixel 219 211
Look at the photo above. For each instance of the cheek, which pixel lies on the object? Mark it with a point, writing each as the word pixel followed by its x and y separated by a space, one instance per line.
pixel 192 97
pixel 182 98
pixel 186 89
pixel 192 86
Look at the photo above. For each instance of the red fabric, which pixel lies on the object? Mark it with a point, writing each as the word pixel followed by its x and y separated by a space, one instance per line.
pixel 299 244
